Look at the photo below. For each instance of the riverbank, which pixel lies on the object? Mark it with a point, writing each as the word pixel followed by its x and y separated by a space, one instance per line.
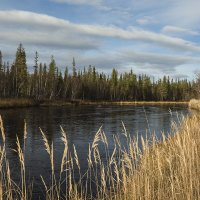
pixel 194 104
pixel 170 168
pixel 134 103
pixel 17 103
pixel 14 103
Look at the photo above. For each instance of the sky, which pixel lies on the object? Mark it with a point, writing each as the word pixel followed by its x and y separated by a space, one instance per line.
pixel 148 36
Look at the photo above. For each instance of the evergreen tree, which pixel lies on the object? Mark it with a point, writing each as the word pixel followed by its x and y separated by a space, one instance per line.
pixel 20 72
pixel 51 78
pixel 35 77
pixel 114 82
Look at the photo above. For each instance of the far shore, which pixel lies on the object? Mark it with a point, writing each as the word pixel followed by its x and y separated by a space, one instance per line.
pixel 15 103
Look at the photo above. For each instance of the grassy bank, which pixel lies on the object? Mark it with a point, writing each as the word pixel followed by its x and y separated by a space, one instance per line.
pixel 87 102
pixel 170 170
pixel 194 104
pixel 134 103
pixel 15 103
pixel 167 169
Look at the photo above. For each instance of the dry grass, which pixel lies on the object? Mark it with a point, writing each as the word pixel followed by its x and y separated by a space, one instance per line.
pixel 170 170
pixel 167 169
pixel 133 102
pixel 194 104
pixel 12 103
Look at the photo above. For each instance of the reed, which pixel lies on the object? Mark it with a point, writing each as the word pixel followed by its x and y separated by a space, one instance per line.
pixel 194 104
pixel 164 169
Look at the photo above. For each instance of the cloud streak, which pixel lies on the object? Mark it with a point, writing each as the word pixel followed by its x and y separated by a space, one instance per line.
pixel 44 29
pixel 175 29
pixel 89 42
pixel 161 62
pixel 145 20
pixel 95 3
pixel 80 2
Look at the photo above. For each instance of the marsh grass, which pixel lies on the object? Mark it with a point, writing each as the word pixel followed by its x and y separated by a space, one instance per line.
pixel 194 104
pixel 165 169
pixel 142 103
pixel 12 103
pixel 23 102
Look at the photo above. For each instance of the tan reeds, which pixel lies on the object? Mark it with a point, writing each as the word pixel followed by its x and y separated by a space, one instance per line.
pixel 52 190
pixel 9 190
pixel 194 104
pixel 2 157
pixel 2 130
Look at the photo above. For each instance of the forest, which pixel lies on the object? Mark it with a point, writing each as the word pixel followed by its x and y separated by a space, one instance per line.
pixel 48 82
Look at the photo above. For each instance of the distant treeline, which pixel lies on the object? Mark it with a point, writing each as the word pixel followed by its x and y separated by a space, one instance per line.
pixel 47 82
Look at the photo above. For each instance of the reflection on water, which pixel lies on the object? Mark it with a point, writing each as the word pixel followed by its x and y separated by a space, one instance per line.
pixel 80 124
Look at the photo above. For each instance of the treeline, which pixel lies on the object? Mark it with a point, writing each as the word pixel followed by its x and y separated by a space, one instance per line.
pixel 47 82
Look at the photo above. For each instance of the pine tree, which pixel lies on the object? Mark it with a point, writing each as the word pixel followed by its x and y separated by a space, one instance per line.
pixel 74 68
pixel 19 73
pixel 35 77
pixel 51 78
pixel 114 83
pixel 67 80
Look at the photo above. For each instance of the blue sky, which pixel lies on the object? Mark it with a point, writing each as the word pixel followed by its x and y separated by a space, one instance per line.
pixel 149 36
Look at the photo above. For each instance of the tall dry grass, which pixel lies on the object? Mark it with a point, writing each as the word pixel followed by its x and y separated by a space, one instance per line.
pixel 194 104
pixel 167 169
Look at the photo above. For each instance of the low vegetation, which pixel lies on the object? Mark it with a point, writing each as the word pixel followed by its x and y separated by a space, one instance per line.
pixel 194 104
pixel 15 103
pixel 133 102
pixel 12 103
pixel 145 169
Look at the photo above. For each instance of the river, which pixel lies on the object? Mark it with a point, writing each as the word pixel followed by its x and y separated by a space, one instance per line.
pixel 80 124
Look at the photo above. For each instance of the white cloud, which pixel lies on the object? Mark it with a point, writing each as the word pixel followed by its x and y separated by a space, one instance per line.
pixel 95 3
pixel 39 29
pixel 139 34
pixel 161 62
pixel 181 13
pixel 146 20
pixel 80 2
pixel 184 13
pixel 124 59
pixel 48 30
pixel 87 43
pixel 175 29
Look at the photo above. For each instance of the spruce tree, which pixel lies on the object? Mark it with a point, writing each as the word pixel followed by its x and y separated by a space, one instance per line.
pixel 19 73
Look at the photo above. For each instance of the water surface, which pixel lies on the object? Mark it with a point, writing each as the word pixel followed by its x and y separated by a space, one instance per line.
pixel 80 123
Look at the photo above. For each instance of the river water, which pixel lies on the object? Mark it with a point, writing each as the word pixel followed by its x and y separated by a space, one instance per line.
pixel 80 123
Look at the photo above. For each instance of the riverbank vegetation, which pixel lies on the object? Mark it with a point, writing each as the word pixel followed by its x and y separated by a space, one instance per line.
pixel 18 102
pixel 48 82
pixel 145 169
pixel 194 104
pixel 15 103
